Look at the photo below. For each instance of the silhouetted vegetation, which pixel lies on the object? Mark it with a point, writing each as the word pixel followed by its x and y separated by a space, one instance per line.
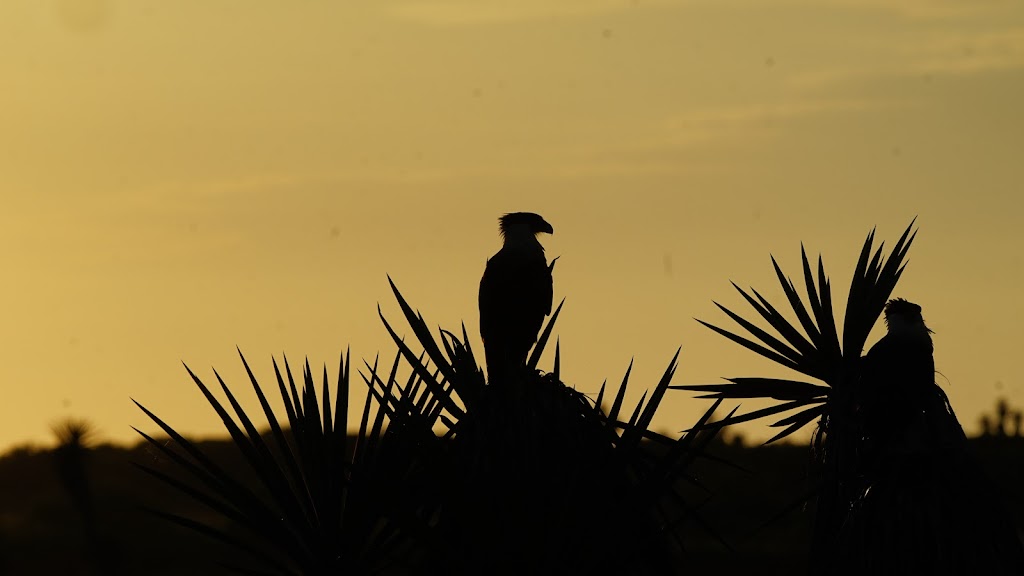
pixel 72 459
pixel 450 473
pixel 897 489
pixel 1004 421
pixel 40 534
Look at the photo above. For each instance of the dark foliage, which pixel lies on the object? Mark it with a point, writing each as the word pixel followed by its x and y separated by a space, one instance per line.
pixel 912 499
pixel 451 475
pixel 816 351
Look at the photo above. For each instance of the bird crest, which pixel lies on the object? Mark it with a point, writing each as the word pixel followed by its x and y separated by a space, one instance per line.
pixel 901 315
pixel 902 307
pixel 522 223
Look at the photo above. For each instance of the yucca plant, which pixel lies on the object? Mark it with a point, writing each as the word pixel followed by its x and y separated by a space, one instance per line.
pixel 74 438
pixel 451 475
pixel 542 478
pixel 315 503
pixel 814 348
pixel 72 459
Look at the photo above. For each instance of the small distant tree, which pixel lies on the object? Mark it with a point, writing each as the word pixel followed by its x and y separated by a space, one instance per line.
pixel 74 438
pixel 1003 421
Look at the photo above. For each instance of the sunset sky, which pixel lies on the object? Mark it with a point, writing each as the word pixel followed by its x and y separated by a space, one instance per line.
pixel 178 178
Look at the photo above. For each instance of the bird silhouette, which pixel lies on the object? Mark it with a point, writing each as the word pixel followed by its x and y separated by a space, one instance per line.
pixel 898 384
pixel 923 503
pixel 515 293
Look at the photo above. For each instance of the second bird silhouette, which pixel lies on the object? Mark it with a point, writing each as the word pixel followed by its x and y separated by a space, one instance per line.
pixel 515 294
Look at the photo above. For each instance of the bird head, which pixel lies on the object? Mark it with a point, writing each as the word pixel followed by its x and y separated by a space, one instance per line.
pixel 523 226
pixel 904 317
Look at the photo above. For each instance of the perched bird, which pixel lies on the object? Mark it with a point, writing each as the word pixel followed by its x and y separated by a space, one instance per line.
pixel 922 504
pixel 898 381
pixel 905 352
pixel 515 293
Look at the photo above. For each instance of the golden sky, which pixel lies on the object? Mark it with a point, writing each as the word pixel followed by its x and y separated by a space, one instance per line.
pixel 178 178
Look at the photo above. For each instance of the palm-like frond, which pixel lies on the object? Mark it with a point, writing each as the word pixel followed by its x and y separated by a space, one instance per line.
pixel 812 347
pixel 514 448
pixel 447 472
pixel 318 505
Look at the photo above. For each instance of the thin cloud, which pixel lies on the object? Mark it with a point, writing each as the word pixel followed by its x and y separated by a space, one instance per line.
pixel 930 52
pixel 470 12
pixel 916 10
pixel 970 53
pixel 696 140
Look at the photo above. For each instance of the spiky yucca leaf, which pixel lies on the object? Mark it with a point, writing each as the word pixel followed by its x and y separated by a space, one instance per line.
pixel 515 446
pixel 814 349
pixel 318 505
pixel 658 467
pixel 458 380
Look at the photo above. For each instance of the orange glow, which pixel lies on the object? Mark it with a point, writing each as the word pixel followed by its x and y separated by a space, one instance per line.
pixel 176 179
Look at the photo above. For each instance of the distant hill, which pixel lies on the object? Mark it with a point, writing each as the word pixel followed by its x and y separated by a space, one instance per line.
pixel 40 533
